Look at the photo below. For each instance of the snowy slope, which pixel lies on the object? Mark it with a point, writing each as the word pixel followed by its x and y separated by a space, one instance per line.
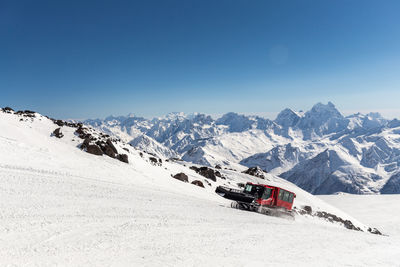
pixel 385 210
pixel 151 146
pixel 62 206
pixel 27 144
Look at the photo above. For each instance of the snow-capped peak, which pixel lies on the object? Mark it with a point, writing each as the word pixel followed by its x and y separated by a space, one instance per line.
pixel 324 111
pixel 287 118
pixel 175 116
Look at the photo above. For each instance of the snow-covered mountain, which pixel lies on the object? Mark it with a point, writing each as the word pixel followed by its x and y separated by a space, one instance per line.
pixel 151 146
pixel 367 145
pixel 73 195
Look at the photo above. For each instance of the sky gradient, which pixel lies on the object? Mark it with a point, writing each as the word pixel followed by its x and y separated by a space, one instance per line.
pixel 89 59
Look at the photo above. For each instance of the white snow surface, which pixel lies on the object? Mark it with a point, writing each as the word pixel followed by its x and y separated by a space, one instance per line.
pixel 383 210
pixel 60 206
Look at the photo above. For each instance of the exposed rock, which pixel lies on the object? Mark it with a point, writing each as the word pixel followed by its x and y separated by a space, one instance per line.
pixel 349 225
pixel 107 149
pixel 206 172
pixel 83 133
pixel 255 171
pixel 198 183
pixel 85 143
pixel 124 148
pixel 307 209
pixel 8 110
pixel 333 218
pixel 218 167
pixel 26 113
pixel 181 177
pixel 66 123
pixel 374 231
pixel 59 122
pixel 155 161
pixel 94 149
pixel 111 145
pixel 57 133
pixel 123 158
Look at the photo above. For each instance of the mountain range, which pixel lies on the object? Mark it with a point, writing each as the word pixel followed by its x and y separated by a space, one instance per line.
pixel 320 150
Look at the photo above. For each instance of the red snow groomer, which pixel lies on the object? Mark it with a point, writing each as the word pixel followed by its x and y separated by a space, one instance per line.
pixel 265 199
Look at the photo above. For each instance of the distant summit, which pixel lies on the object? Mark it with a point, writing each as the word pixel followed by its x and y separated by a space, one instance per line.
pixel 320 150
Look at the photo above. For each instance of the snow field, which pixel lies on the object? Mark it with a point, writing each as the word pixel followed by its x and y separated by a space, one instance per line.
pixel 60 206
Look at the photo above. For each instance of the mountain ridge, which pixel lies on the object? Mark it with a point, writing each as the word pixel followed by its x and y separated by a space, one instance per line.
pixel 369 142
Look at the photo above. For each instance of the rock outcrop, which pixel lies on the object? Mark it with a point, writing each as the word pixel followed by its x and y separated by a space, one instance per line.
pixel 255 171
pixel 198 183
pixel 206 172
pixel 94 149
pixel 181 177
pixel 123 158
pixel 57 133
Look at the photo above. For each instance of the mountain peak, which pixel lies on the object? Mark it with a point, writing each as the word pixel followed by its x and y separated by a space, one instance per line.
pixel 322 119
pixel 287 118
pixel 325 109
pixel 175 116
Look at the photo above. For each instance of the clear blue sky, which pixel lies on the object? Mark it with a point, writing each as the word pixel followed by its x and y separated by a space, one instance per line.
pixel 85 59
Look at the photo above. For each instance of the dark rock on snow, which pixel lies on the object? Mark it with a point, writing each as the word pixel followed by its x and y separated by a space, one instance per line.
pixel 308 209
pixel 57 133
pixel 123 158
pixel 255 171
pixel 111 145
pixel 82 132
pixel 7 110
pixel 155 161
pixel 94 149
pixel 374 231
pixel 206 172
pixel 108 150
pixel 198 183
pixel 26 113
pixel 181 177
pixel 333 218
pixel 59 122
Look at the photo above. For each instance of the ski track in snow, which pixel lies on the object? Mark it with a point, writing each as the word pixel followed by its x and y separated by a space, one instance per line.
pixel 49 220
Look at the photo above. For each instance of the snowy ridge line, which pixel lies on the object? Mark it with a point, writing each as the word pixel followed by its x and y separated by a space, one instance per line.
pixel 320 150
